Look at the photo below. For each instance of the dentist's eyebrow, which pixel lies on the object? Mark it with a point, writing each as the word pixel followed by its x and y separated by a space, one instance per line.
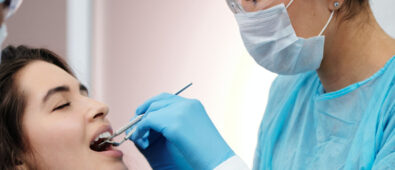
pixel 55 90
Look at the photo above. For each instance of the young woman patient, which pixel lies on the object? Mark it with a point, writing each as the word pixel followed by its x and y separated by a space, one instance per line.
pixel 47 120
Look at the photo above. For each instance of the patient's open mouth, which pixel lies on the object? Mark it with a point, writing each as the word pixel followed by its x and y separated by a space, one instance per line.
pixel 94 145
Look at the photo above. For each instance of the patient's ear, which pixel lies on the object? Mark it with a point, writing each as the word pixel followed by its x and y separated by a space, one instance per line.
pixel 22 167
pixel 25 164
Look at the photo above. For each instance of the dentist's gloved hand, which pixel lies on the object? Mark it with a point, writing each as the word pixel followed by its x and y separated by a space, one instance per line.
pixel 183 124
pixel 161 154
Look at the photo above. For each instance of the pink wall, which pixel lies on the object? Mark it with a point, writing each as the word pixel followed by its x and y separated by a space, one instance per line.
pixel 143 48
pixel 39 23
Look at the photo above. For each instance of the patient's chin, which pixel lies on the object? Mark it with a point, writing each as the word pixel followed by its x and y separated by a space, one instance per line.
pixel 120 165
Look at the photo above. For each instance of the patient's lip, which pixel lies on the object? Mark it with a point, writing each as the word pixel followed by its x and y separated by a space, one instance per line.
pixel 113 152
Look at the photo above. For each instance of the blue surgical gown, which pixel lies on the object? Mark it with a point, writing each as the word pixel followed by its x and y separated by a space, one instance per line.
pixel 306 128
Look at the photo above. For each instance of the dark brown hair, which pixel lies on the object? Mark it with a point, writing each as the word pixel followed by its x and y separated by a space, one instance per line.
pixel 352 8
pixel 13 144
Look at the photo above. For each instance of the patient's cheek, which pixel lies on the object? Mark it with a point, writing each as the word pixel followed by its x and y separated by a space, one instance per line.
pixel 55 135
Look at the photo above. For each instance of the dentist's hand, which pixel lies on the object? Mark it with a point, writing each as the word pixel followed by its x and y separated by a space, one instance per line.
pixel 181 125
pixel 162 155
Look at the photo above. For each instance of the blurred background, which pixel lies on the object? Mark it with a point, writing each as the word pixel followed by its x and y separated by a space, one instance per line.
pixel 127 51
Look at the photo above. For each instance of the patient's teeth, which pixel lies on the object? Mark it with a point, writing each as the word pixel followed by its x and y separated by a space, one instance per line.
pixel 106 134
pixel 103 135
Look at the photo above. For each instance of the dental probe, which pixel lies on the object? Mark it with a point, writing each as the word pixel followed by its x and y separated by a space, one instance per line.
pixel 130 124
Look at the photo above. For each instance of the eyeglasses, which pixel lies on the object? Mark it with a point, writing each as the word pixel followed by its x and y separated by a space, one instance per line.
pixel 235 6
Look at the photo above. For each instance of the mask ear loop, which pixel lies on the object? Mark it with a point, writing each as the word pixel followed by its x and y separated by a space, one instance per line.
pixel 327 23
pixel 336 4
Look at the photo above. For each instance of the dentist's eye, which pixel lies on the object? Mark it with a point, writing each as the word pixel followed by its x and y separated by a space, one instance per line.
pixel 61 106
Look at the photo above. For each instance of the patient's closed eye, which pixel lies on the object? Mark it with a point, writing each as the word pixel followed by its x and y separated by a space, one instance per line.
pixel 62 106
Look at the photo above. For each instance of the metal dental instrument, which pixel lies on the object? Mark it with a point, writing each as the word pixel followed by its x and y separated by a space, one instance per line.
pixel 130 124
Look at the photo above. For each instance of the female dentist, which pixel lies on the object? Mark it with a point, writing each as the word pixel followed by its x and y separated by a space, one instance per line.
pixel 331 107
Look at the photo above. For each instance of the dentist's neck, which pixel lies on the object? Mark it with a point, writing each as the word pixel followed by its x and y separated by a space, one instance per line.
pixel 354 50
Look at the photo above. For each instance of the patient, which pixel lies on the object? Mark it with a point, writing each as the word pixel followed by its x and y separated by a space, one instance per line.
pixel 47 120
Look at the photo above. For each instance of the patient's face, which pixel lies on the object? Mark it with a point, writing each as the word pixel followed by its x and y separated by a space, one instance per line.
pixel 61 121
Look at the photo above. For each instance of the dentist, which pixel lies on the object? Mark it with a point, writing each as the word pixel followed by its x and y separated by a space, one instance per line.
pixel 332 105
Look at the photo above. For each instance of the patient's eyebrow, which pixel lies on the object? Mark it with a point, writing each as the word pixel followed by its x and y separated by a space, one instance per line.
pixel 54 91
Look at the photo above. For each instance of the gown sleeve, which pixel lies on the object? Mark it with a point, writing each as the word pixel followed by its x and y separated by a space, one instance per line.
pixel 385 158
pixel 233 163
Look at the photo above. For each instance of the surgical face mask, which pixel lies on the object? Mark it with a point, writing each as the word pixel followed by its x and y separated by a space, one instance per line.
pixel 3 35
pixel 271 40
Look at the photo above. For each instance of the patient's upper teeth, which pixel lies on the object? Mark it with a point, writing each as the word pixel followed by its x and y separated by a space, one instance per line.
pixel 107 134
pixel 103 135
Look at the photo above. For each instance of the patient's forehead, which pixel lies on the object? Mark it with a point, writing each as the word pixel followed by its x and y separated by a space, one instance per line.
pixel 35 79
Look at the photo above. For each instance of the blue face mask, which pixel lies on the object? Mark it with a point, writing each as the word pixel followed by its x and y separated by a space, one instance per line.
pixel 271 40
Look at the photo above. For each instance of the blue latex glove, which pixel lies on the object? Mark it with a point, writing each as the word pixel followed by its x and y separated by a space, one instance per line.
pixel 161 154
pixel 185 125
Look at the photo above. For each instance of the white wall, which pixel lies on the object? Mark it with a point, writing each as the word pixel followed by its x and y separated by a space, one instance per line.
pixel 79 39
pixel 385 14
pixel 39 23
